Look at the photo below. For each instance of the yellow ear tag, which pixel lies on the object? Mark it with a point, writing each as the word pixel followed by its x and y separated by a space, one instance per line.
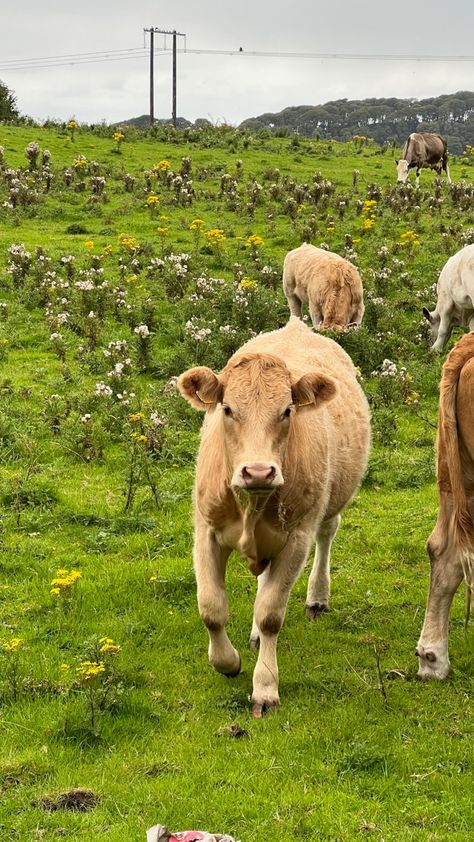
pixel 202 399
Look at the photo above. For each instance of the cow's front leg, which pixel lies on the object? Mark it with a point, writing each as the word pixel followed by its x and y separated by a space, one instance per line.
pixel 269 613
pixel 444 332
pixel 319 583
pixel 210 563
pixel 445 577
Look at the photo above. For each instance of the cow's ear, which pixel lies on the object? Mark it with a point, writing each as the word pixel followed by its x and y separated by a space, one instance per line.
pixel 201 387
pixel 313 390
pixel 397 163
pixel 428 315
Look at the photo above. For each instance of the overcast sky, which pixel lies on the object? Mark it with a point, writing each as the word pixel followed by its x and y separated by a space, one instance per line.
pixel 230 88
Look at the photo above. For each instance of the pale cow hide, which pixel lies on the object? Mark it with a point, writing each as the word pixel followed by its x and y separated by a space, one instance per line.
pixel 423 149
pixel 327 283
pixel 284 446
pixel 451 543
pixel 455 304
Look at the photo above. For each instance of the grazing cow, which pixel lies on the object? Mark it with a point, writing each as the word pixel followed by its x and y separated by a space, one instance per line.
pixel 328 283
pixel 423 149
pixel 451 543
pixel 455 305
pixel 284 446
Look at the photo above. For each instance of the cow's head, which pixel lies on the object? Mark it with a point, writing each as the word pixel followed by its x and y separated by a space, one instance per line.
pixel 434 320
pixel 257 400
pixel 402 170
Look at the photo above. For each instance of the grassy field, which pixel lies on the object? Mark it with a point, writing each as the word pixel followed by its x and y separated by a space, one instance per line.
pixel 96 459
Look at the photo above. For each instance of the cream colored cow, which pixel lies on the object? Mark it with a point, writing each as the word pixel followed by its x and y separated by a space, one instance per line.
pixel 284 446
pixel 327 283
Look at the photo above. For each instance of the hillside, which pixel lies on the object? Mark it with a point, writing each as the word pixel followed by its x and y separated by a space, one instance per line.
pixel 385 120
pixel 122 264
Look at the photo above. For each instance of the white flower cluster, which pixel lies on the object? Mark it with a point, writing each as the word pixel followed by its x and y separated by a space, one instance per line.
pixel 116 348
pixel 228 330
pixel 158 420
pixel 143 331
pixel 194 331
pixel 102 390
pixel 387 369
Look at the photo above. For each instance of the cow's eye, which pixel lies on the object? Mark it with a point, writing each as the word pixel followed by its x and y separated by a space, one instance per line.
pixel 287 412
pixel 227 411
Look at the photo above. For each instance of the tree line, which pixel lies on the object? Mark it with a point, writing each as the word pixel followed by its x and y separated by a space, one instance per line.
pixel 385 120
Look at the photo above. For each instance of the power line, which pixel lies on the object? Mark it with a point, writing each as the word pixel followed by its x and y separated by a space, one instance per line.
pixel 137 53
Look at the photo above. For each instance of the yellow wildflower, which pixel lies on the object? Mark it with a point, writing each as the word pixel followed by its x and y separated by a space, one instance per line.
pixel 253 242
pixel 89 245
pixel 136 416
pixel 162 232
pixel 216 236
pixel 108 646
pixel 152 201
pixel 64 581
pixel 12 645
pixel 72 125
pixel 196 225
pixel 162 166
pixel 246 283
pixel 87 671
pixel 118 137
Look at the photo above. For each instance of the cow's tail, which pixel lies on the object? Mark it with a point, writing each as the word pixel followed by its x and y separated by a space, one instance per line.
pixel 343 298
pixel 449 460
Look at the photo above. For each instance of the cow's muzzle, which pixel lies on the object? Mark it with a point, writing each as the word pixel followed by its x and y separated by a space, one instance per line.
pixel 257 477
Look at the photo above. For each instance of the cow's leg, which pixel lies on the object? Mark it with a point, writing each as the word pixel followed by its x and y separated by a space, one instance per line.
pixel 471 323
pixel 315 313
pixel 319 583
pixel 444 331
pixel 417 179
pixel 445 577
pixel 294 303
pixel 270 608
pixel 209 563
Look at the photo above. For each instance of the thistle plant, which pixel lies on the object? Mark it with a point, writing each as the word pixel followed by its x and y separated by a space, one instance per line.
pixel 143 346
pixel 32 151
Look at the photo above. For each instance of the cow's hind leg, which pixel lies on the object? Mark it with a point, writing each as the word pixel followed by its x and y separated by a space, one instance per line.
pixel 319 584
pixel 315 313
pixel 210 563
pixel 294 303
pixel 445 577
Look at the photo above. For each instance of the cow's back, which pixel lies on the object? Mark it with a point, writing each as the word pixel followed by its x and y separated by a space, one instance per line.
pixel 456 280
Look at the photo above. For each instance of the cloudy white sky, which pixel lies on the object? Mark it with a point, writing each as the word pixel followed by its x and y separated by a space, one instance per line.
pixel 229 87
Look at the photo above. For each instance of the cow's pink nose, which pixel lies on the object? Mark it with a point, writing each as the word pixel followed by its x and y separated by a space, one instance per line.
pixel 258 475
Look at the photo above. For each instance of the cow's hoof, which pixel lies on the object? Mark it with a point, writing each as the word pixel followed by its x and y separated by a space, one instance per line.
pixel 230 666
pixel 432 664
pixel 254 642
pixel 260 709
pixel 313 612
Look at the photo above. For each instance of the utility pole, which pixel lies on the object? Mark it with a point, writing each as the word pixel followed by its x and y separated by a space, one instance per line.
pixel 164 32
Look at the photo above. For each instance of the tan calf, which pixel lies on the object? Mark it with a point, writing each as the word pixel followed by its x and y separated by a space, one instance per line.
pixel 327 283
pixel 451 543
pixel 284 446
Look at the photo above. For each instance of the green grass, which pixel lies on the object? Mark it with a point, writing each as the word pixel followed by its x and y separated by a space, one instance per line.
pixel 346 756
